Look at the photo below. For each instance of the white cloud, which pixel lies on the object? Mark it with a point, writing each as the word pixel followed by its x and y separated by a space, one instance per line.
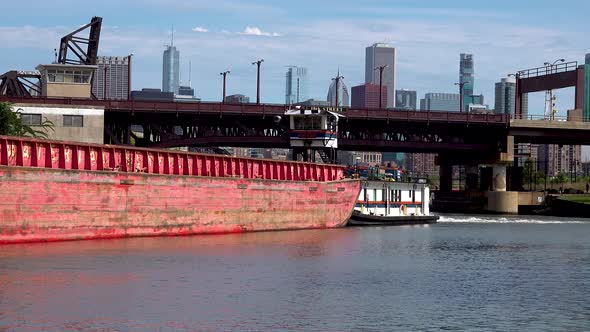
pixel 255 31
pixel 200 29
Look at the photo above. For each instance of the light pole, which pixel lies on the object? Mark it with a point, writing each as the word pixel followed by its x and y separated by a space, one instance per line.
pixel 550 65
pixel 129 76
pixel 337 79
pixel 380 81
pixel 461 84
pixel 224 74
pixel 258 79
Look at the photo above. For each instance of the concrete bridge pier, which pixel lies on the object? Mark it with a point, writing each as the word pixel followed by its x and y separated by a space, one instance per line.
pixel 499 199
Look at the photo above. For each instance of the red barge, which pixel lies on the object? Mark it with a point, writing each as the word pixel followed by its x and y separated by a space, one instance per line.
pixel 54 191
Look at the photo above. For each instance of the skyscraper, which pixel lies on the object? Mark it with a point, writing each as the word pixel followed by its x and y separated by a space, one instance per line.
pixel 467 78
pixel 506 97
pixel 114 72
pixel 296 89
pixel 171 70
pixel 405 99
pixel 381 54
pixel 343 96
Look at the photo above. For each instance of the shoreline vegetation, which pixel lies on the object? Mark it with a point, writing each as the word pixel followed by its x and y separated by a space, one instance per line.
pixel 584 199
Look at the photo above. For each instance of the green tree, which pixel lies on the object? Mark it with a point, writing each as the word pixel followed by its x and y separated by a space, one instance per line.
pixel 11 124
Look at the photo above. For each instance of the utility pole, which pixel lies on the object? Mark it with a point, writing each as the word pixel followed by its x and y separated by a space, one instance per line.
pixel 337 79
pixel 258 80
pixel 380 81
pixel 224 74
pixel 129 76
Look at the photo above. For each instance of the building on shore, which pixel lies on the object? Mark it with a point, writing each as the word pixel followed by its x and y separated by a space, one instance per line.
pixel 237 99
pixel 69 123
pixel 111 80
pixel 405 99
pixel 359 158
pixel 422 164
pixel 367 96
pixel 554 159
pixel 435 101
pixel 186 94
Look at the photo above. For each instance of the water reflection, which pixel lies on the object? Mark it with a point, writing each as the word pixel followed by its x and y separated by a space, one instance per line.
pixel 454 275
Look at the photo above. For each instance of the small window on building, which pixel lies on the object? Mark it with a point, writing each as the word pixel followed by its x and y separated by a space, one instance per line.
pixel 73 121
pixel 51 75
pixel 59 76
pixel 31 119
pixel 78 77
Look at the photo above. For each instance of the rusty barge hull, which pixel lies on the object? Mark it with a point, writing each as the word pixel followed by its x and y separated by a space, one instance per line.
pixel 52 191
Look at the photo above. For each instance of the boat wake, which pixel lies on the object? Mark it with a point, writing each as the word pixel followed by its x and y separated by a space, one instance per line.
pixel 511 219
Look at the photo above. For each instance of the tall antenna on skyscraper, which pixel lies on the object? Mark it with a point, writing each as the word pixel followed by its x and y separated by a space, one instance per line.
pixel 189 74
pixel 172 41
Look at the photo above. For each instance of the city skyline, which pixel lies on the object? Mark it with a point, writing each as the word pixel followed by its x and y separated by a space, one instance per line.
pixel 214 43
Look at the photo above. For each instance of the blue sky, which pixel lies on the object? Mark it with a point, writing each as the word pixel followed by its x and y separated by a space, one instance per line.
pixel 504 36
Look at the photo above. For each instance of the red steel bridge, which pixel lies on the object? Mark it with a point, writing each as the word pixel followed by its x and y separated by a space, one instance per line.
pixel 211 124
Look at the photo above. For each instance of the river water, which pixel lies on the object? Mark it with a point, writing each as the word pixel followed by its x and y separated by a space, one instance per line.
pixel 467 273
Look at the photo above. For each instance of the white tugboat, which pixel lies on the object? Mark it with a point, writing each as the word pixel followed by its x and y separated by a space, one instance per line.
pixel 386 202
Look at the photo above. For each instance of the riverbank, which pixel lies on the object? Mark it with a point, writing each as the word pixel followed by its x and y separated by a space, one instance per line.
pixel 584 199
pixel 567 206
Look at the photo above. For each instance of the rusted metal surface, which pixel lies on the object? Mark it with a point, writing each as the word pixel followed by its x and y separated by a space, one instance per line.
pixel 45 196
pixel 25 152
pixel 74 43
pixel 20 83
pixel 549 77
